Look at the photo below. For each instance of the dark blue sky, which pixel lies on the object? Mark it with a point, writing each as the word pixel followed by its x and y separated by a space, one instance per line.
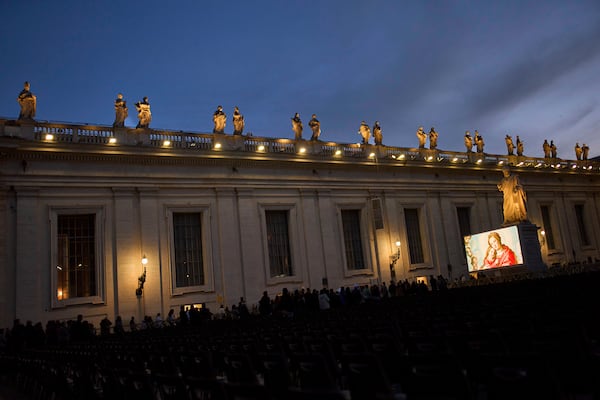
pixel 527 68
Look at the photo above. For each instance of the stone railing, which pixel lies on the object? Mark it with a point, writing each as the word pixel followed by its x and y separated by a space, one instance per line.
pixel 51 132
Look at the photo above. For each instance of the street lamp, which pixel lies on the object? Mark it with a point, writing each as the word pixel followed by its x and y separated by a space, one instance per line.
pixel 142 278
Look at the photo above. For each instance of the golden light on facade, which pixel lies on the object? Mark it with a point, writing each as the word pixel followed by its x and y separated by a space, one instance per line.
pixel 479 161
pixel 302 150
pixel 372 155
pixel 338 152
pixel 261 148
pixel 166 143
pixel 217 146
pixel 112 140
pixel 49 136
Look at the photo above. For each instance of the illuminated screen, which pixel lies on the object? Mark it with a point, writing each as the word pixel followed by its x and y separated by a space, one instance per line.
pixel 493 249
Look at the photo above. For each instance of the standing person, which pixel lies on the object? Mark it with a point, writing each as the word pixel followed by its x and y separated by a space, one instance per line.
pixel 132 325
pixel 105 326
pixel 119 330
pixel 324 300
pixel 264 305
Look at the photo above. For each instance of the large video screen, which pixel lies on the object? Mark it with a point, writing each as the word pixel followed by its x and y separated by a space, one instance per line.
pixel 493 249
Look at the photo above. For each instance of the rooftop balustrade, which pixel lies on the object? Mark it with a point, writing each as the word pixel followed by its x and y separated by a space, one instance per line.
pixel 53 132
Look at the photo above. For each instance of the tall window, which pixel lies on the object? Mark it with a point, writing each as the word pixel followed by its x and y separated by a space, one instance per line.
pixel 413 231
pixel 187 239
pixel 352 239
pixel 76 256
pixel 464 220
pixel 579 215
pixel 278 243
pixel 547 224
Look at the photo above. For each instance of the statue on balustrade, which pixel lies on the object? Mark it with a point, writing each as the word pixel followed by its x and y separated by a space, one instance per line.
pixel 553 149
pixel 433 138
pixel 238 122
pixel 297 127
pixel 479 142
pixel 422 136
pixel 585 150
pixel 219 119
pixel 468 142
pixel 377 135
pixel 515 200
pixel 28 103
pixel 519 146
pixel 144 114
pixel 315 126
pixel 365 132
pixel 578 152
pixel 546 147
pixel 120 112
pixel 510 146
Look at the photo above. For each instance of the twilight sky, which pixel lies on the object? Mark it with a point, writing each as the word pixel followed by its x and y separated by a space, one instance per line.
pixel 527 68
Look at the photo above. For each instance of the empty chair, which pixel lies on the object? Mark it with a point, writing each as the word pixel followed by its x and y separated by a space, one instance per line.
pixel 366 378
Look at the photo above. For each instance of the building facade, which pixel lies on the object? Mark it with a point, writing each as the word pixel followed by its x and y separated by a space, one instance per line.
pixel 217 217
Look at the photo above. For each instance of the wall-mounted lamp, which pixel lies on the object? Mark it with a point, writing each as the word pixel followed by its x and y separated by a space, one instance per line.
pixel 142 278
pixel 393 260
pixel 542 237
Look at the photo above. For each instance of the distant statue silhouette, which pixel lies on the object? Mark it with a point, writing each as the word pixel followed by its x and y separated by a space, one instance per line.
pixel 238 122
pixel 144 114
pixel 219 119
pixel 297 126
pixel 120 112
pixel 28 103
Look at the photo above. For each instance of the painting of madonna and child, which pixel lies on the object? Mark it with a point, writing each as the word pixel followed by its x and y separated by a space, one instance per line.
pixel 493 249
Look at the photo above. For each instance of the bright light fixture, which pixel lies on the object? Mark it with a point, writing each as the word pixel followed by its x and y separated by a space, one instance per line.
pixel 112 140
pixel 166 143
pixel 49 136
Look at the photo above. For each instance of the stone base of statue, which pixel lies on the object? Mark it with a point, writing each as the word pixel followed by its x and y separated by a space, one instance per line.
pixel 530 246
pixel 27 130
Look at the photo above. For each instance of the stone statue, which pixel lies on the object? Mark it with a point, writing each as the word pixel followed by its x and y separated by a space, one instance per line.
pixel 433 138
pixel 585 149
pixel 578 152
pixel 479 142
pixel 219 119
pixel 519 146
pixel 238 122
pixel 546 148
pixel 315 126
pixel 28 103
pixel 365 132
pixel 144 114
pixel 377 135
pixel 120 112
pixel 553 149
pixel 515 200
pixel 468 141
pixel 297 127
pixel 422 136
pixel 510 146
